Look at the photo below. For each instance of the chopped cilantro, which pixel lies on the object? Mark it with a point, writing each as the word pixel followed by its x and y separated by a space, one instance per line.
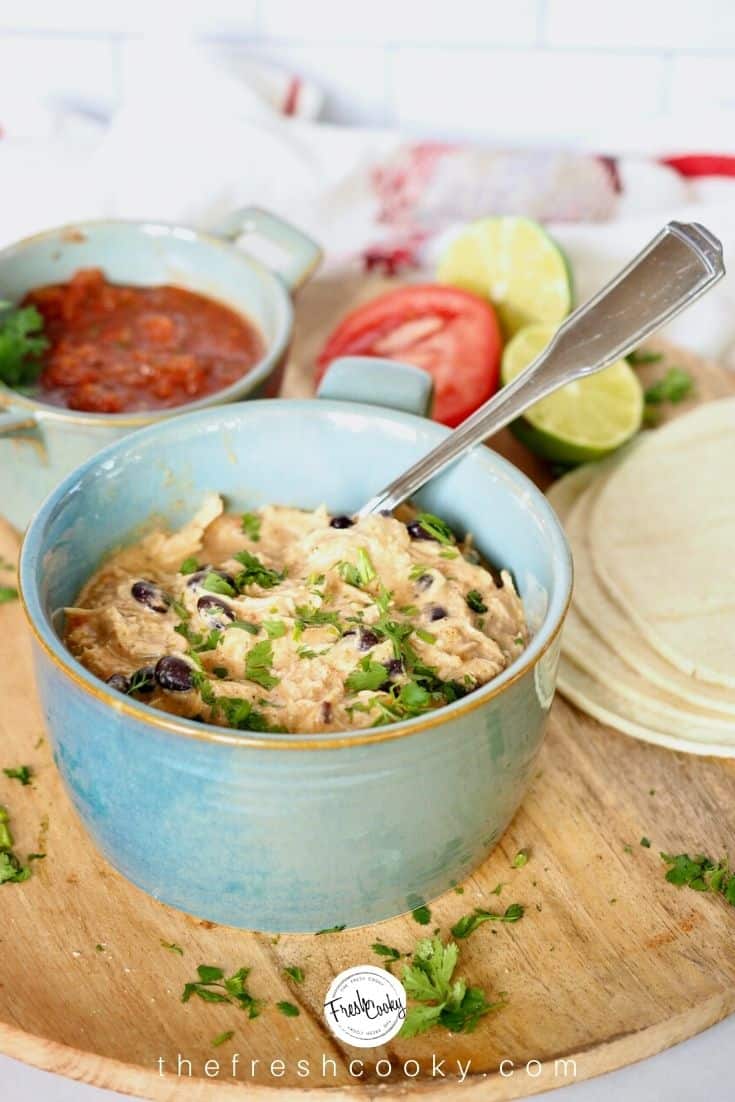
pixel 425 636
pixel 309 652
pixel 288 1009
pixel 255 572
pixel 221 672
pixel 212 987
pixel 442 1000
pixel 386 951
pixel 20 773
pixel 331 930
pixel 241 715
pixel 11 870
pixel 520 859
pixel 437 528
pixel 422 915
pixel 674 386
pixel 190 565
pixel 244 625
pixel 417 571
pixel 475 602
pixel 172 947
pixel 358 575
pixel 310 616
pixel 449 554
pixel 251 526
pixel 21 344
pixel 8 593
pixel 640 356
pixel 274 629
pixel 367 675
pixel 646 842
pixel 467 924
pixel 295 973
pixel 213 583
pixel 702 874
pixel 258 662
pixel 223 1038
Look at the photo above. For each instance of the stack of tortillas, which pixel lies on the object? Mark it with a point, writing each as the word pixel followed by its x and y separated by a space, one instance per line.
pixel 649 644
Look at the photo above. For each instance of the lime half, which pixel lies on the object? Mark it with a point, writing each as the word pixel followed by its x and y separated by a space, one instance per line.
pixel 583 421
pixel 514 263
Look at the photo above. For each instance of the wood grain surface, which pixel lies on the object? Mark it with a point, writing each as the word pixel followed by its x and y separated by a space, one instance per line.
pixel 610 963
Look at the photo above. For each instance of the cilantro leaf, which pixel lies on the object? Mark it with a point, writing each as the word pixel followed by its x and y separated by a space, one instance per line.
pixel 8 593
pixel 288 1009
pixel 639 356
pixel 429 980
pixel 674 386
pixel 20 773
pixel 475 602
pixel 245 625
pixel 422 915
pixel 251 526
pixel 331 930
pixel 223 1038
pixel 358 575
pixel 274 629
pixel 419 1019
pixel 208 974
pixel 258 662
pixel 520 859
pixel 367 675
pixel 22 344
pixel 172 947
pixel 436 528
pixel 467 924
pixel 190 565
pixel 295 973
pixel 214 583
pixel 387 951
pixel 701 873
pixel 255 572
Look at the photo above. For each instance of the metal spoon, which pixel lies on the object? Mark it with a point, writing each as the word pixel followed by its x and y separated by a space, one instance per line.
pixel 681 262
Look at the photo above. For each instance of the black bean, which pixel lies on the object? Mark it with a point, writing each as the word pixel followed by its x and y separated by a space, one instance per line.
pixel 436 612
pixel 416 532
pixel 326 711
pixel 214 610
pixel 174 674
pixel 424 581
pixel 143 680
pixel 367 639
pixel 150 595
pixel 341 522
pixel 119 682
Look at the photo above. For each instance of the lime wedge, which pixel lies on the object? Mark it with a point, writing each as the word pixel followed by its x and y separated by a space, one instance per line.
pixel 514 263
pixel 583 421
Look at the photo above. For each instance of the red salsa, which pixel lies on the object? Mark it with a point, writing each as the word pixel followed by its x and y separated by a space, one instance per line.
pixel 118 349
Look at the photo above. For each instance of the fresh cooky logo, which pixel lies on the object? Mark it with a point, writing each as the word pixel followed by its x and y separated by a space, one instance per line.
pixel 365 1006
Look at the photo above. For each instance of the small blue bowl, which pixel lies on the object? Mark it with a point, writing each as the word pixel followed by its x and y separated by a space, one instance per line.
pixel 294 832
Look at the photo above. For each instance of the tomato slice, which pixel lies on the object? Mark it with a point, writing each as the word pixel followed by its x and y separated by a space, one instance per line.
pixel 452 334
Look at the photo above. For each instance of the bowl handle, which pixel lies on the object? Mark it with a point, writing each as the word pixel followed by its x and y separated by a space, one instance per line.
pixel 12 419
pixel 378 383
pixel 278 244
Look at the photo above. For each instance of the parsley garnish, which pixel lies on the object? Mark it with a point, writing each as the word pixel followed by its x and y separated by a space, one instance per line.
pixel 437 528
pixel 358 575
pixel 255 572
pixel 467 924
pixel 674 386
pixel 442 1000
pixel 11 870
pixel 223 1038
pixel 288 1009
pixel 213 583
pixel 190 565
pixel 367 674
pixel 639 356
pixel 258 662
pixel 8 593
pixel 212 987
pixel 422 915
pixel 702 874
pixel 294 973
pixel 172 947
pixel 475 602
pixel 22 344
pixel 21 773
pixel 251 526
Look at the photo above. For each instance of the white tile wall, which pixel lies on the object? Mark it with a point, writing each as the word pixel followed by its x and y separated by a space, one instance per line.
pixel 530 69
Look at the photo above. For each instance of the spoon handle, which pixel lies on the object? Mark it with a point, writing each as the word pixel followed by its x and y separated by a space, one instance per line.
pixel 681 262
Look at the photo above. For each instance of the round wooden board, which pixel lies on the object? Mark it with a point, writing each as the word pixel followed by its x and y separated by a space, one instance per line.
pixel 610 963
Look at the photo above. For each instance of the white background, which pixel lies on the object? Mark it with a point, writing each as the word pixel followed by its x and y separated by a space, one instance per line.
pixel 539 70
pixel 524 71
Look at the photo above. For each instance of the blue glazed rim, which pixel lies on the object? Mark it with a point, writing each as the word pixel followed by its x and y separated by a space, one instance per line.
pixel 254 377
pixel 48 640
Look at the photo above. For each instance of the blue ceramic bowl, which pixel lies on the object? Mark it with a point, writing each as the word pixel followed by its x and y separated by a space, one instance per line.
pixel 293 832
pixel 40 443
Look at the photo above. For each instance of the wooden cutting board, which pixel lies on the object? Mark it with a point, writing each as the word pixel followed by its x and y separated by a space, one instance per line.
pixel 610 963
